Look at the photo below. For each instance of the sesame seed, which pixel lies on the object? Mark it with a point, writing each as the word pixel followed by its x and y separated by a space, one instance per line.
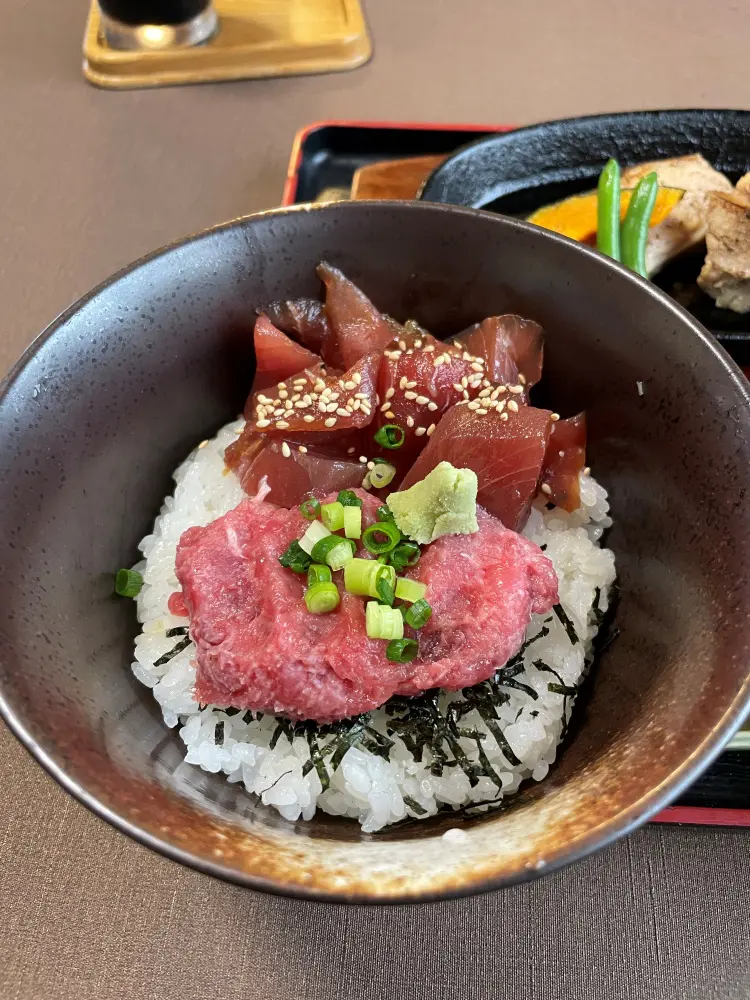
pixel 390 414
pixel 561 454
pixel 319 385
pixel 263 399
pixel 349 406
pixel 356 378
pixel 457 386
pixel 517 389
pixel 263 423
pixel 283 394
pixel 496 392
pixel 503 416
pixel 331 408
pixel 432 406
pixel 429 348
pixel 307 399
pixel 386 406
pixel 403 382
pixel 342 384
pixel 342 412
pixel 322 406
pixel 366 409
pixel 513 405
pixel 370 465
pixel 464 381
pixel 466 395
pixel 410 395
pixel 522 379
pixel 422 400
pixel 402 344
pixel 288 404
pixel 417 343
pixel 410 421
pixel 587 471
pixel 281 385
pixel 555 417
pixel 467 357
pixel 439 360
pixel 334 395
pixel 349 385
pixel 330 422
pixel 356 404
pixel 296 396
pixel 390 392
pixel 282 425
pixel 430 430
pixel 420 431
pixel 204 443
pixel 302 449
pixel 366 482
pixel 482 412
pixel 546 489
pixel 350 451
pixel 500 405
pixel 286 451
pixel 474 404
pixel 475 366
pixel 279 412
pixel 308 418
pixel 360 395
pixel 484 393
pixel 410 385
pixel 502 388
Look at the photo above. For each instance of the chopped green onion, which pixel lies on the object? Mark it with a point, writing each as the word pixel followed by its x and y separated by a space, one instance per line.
pixel 322 598
pixel 418 614
pixel 390 436
pixel 312 536
pixel 349 499
pixel 353 522
pixel 382 622
pixel 401 650
pixel 385 590
pixel 295 558
pixel 382 474
pixel 381 537
pixel 361 576
pixel 383 559
pixel 128 583
pixel 310 509
pixel 410 590
pixel 384 513
pixel 332 515
pixel 318 573
pixel 405 554
pixel 334 551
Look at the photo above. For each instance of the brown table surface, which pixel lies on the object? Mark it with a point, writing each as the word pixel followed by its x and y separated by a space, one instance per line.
pixel 90 180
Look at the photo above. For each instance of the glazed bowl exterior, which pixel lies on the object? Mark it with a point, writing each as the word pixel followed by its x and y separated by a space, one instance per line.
pixel 111 398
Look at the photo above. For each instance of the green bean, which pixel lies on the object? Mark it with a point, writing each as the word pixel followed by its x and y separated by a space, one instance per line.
pixel 636 223
pixel 608 210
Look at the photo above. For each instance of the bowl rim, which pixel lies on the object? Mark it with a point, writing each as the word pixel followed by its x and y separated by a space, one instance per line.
pixel 624 822
pixel 442 176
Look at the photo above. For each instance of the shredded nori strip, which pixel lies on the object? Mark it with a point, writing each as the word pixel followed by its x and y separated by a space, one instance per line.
pixel 565 689
pixel 177 648
pixel 414 805
pixel 566 622
pixel 519 686
pixel 219 734
pixel 180 630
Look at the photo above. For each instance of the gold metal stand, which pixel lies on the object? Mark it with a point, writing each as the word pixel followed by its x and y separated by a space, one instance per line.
pixel 256 38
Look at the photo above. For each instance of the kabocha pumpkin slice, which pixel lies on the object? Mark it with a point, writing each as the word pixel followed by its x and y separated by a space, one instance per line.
pixel 576 217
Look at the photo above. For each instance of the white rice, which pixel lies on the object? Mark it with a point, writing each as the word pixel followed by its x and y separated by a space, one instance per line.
pixel 368 787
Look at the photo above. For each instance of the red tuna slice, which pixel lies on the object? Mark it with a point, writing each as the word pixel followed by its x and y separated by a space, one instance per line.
pixel 257 645
pixel 303 319
pixel 314 401
pixel 358 326
pixel 259 648
pixel 564 461
pixel 420 379
pixel 276 355
pixel 504 445
pixel 291 477
pixel 511 346
pixel 479 616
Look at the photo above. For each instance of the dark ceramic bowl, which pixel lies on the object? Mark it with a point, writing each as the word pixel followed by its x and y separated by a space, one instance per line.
pixel 108 401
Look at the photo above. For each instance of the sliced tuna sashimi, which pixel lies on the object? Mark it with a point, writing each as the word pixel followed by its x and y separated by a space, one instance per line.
pixel 303 319
pixel 420 379
pixel 479 613
pixel 505 446
pixel 564 461
pixel 358 326
pixel 259 648
pixel 511 346
pixel 312 400
pixel 294 477
pixel 276 355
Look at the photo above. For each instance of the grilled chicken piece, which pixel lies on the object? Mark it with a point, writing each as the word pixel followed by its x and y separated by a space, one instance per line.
pixel 685 226
pixel 725 276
